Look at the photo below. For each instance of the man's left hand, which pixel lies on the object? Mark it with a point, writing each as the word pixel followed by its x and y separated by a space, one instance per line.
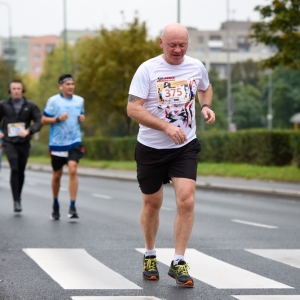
pixel 208 115
pixel 81 118
pixel 24 133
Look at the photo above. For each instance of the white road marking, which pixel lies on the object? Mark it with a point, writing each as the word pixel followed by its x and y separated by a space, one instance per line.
pixel 115 298
pixel 268 297
pixel 289 257
pixel 217 273
pixel 76 269
pixel 254 224
pixel 167 208
pixel 101 196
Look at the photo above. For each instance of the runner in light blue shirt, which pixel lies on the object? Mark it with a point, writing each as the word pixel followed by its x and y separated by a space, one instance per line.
pixel 64 112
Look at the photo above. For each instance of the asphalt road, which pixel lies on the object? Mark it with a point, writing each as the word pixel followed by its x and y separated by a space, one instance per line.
pixel 243 246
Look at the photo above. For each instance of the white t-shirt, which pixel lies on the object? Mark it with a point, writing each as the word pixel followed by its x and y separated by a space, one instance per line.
pixel 169 91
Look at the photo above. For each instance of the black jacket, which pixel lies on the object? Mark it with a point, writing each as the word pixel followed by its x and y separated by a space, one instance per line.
pixel 29 112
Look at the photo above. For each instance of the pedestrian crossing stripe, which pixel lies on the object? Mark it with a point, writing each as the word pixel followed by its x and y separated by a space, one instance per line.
pixel 76 269
pixel 89 273
pixel 217 273
pixel 267 297
pixel 114 298
pixel 289 257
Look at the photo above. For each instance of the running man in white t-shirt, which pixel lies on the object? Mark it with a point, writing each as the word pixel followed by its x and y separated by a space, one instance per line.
pixel 162 100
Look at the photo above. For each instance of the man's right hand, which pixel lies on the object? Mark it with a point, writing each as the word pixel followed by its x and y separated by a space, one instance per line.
pixel 176 134
pixel 1 135
pixel 63 117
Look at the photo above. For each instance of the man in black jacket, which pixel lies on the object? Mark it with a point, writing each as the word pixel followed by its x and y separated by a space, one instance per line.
pixel 16 114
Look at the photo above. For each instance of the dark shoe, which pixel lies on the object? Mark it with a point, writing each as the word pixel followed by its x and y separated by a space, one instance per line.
pixel 72 213
pixel 17 206
pixel 55 213
pixel 180 273
pixel 150 271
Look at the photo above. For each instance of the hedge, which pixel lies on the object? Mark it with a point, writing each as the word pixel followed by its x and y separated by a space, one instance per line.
pixel 259 147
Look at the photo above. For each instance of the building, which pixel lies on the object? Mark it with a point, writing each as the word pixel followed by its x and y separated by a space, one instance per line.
pixel 231 44
pixel 39 48
pixel 215 48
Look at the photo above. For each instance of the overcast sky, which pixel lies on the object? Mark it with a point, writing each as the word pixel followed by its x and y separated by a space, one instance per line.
pixel 43 17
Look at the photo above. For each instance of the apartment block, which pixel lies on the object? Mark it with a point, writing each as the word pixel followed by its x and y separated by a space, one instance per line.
pixel 229 45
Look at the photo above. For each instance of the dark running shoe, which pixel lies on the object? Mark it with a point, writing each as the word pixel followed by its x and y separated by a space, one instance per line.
pixel 180 273
pixel 17 206
pixel 150 271
pixel 72 213
pixel 55 213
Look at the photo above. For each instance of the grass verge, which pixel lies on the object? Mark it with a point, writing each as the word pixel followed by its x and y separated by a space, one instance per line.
pixel 285 173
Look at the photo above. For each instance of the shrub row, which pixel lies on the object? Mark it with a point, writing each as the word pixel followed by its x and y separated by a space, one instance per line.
pixel 257 147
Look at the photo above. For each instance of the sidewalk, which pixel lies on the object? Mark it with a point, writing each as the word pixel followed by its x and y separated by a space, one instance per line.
pixel 281 189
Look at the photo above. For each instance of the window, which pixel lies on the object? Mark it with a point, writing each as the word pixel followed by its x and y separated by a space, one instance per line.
pixel 37 69
pixel 37 47
pixel 37 58
pixel 215 38
pixel 200 39
pixel 242 39
pixel 49 48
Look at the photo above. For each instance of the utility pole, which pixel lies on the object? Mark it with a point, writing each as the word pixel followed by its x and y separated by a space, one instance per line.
pixel 229 104
pixel 178 11
pixel 270 94
pixel 65 38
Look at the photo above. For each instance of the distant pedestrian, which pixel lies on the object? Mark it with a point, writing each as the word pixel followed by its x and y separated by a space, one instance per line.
pixel 162 100
pixel 17 114
pixel 64 112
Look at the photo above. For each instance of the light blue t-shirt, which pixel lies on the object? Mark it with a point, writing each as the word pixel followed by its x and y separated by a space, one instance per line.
pixel 66 134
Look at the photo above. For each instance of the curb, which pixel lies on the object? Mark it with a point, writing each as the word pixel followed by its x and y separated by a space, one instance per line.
pixel 200 184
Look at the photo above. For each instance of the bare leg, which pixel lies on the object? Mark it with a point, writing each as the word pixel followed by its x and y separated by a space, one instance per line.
pixel 185 198
pixel 73 179
pixel 56 183
pixel 150 217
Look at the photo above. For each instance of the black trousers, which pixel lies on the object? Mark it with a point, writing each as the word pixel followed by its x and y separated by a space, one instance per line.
pixel 17 155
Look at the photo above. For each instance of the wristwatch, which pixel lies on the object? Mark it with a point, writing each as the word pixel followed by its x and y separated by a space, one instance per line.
pixel 57 120
pixel 207 105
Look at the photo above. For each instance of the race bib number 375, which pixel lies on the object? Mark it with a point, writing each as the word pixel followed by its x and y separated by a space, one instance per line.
pixel 173 92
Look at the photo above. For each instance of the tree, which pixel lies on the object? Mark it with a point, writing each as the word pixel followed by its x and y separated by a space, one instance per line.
pixel 280 30
pixel 286 97
pixel 248 109
pixel 248 72
pixel 106 65
pixel 4 78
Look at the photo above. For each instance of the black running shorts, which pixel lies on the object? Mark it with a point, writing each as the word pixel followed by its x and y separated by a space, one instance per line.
pixel 75 154
pixel 156 166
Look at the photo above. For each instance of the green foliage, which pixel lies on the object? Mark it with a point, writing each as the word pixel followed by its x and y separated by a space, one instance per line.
pixel 106 65
pixel 280 30
pixel 4 78
pixel 248 73
pixel 264 148
pixel 117 149
pixel 247 106
pixel 257 147
pixel 53 68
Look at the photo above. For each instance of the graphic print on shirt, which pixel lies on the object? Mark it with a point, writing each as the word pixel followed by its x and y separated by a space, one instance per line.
pixel 177 99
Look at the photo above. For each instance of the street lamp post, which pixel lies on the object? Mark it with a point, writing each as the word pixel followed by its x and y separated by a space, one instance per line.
pixel 270 114
pixel 229 104
pixel 178 11
pixel 9 38
pixel 65 38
